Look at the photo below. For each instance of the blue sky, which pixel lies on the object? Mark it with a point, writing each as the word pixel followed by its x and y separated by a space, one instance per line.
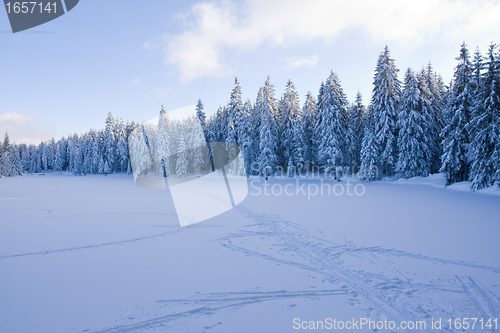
pixel 129 57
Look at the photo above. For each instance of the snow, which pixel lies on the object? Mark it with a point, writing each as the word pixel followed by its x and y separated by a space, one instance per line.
pixel 436 180
pixel 100 254
pixel 461 186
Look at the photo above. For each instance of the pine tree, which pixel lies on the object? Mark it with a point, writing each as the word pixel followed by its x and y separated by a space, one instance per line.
pixel 459 108
pixel 385 100
pixel 245 138
pixel 181 166
pixel 369 151
pixel 268 159
pixel 434 96
pixel 51 152
pixel 86 152
pixel 308 121
pixel 331 125
pixel 198 146
pixel 316 135
pixel 355 132
pixel 16 166
pixel 268 131
pixel 24 156
pixel 42 152
pixel 414 130
pixel 75 156
pixel 62 146
pixel 164 145
pixel 201 116
pixel 296 159
pixel 122 156
pixel 32 158
pixel 140 156
pixel 269 102
pixel 290 114
pixel 235 112
pixel 5 158
pixel 109 142
pixel 485 145
pixel 477 84
pixel 256 122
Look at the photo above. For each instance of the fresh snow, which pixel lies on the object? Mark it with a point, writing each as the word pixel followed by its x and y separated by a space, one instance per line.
pixel 100 254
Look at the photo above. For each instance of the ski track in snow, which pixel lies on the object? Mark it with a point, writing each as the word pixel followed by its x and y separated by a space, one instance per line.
pixel 93 246
pixel 214 302
pixel 400 298
pixel 391 292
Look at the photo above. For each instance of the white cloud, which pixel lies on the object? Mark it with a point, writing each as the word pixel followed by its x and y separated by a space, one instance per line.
pixel 161 92
pixel 298 62
pixel 22 128
pixel 135 81
pixel 210 29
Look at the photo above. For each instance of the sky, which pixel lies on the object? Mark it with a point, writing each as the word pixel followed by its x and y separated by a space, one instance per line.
pixel 130 57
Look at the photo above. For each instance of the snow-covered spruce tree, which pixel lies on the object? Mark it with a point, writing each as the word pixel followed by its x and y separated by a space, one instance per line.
pixel 150 135
pixel 94 150
pixel 15 159
pixel 42 156
pixel 369 151
pixel 129 128
pixel 478 86
pixel 201 116
pixel 139 153
pixel 308 121
pixel 331 125
pixel 51 151
pixel 415 126
pixel 434 95
pixel 215 127
pixel 432 124
pixel 235 111
pixel 86 148
pixel 269 102
pixel 485 145
pixel 256 122
pixel 197 145
pixel 385 100
pixel 122 157
pixel 289 115
pixel 163 151
pixel 316 135
pixel 245 137
pixel 268 159
pixel 455 135
pixel 355 132
pixel 225 122
pixel 24 154
pixel 268 130
pixel 5 159
pixel 109 142
pixel 231 133
pixel 296 159
pixel 181 165
pixel 32 158
pixel 75 156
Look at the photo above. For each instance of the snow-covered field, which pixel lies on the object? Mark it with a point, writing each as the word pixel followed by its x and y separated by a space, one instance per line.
pixel 100 254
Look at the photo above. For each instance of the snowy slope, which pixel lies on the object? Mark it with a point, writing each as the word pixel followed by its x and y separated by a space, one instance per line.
pixel 99 254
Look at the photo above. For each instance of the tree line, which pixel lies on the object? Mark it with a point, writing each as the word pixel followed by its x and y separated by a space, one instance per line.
pixel 411 128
